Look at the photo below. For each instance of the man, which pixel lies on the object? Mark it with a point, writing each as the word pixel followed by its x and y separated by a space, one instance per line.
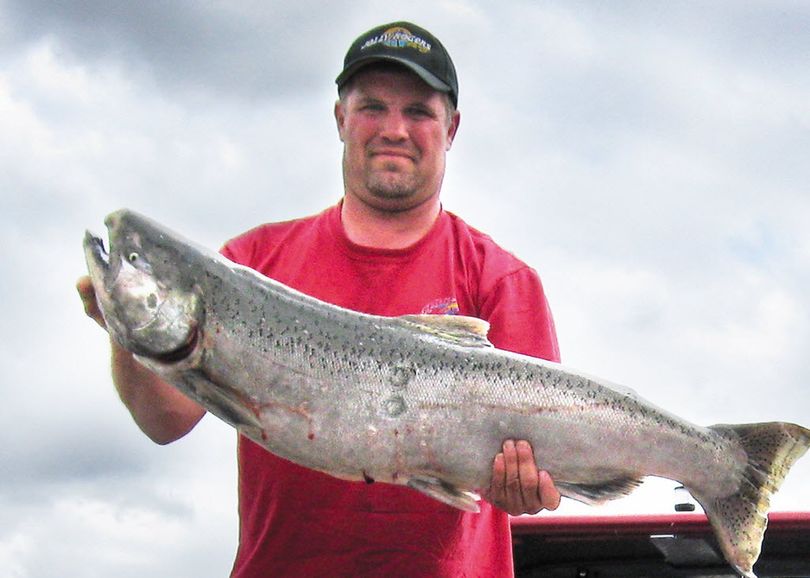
pixel 386 248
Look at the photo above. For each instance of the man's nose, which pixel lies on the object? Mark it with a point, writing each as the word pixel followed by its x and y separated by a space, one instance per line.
pixel 394 127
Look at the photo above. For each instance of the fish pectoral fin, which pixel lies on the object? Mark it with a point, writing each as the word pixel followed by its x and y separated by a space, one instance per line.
pixel 458 329
pixel 598 492
pixel 445 493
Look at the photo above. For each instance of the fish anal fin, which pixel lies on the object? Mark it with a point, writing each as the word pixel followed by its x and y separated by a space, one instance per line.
pixel 445 493
pixel 459 329
pixel 595 493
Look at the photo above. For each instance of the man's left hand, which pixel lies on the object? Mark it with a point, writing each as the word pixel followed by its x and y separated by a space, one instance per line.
pixel 517 486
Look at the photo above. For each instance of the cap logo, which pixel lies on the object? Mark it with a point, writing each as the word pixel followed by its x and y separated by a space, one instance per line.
pixel 398 37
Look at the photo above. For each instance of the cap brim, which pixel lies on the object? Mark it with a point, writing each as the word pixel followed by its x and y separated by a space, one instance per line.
pixel 429 78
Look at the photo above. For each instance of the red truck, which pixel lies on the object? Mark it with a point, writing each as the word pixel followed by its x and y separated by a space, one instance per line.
pixel 654 546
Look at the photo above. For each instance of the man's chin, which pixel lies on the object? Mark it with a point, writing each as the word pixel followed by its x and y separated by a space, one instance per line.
pixel 391 188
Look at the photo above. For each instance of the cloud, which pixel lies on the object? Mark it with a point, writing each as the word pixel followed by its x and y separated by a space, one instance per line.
pixel 237 49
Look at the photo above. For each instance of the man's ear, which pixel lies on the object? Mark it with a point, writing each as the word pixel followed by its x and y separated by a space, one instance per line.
pixel 452 129
pixel 340 118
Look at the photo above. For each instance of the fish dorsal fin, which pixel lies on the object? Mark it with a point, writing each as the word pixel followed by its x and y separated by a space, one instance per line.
pixel 458 329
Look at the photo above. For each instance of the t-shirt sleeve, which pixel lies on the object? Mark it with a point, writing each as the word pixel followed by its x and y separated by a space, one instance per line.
pixel 239 249
pixel 520 317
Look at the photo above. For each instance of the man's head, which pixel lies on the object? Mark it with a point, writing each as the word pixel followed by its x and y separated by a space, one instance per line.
pixel 396 118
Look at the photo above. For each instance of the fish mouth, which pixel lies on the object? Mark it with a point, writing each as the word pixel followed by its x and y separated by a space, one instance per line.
pixel 95 251
pixel 96 254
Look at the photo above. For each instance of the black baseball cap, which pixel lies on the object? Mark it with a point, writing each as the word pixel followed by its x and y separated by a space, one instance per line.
pixel 406 44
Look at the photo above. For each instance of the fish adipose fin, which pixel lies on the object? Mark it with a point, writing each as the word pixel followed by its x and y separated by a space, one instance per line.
pixel 444 492
pixel 739 520
pixel 599 492
pixel 457 329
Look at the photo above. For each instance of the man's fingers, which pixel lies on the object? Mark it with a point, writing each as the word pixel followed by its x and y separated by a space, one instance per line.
pixel 548 491
pixel 517 486
pixel 88 295
pixel 513 500
pixel 496 489
pixel 529 482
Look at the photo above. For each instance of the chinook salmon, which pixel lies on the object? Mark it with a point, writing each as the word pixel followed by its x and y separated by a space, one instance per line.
pixel 423 401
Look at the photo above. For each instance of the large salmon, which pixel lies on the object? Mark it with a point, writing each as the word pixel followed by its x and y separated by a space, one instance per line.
pixel 424 401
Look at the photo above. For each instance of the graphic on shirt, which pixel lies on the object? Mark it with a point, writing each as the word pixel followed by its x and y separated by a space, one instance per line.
pixel 443 306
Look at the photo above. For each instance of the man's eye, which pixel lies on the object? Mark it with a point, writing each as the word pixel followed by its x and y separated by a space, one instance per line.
pixel 419 112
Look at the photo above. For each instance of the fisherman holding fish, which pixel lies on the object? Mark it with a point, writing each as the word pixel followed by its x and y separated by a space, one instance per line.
pixel 355 346
pixel 386 248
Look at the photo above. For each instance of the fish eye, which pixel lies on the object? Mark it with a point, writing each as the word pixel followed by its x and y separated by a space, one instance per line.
pixel 133 257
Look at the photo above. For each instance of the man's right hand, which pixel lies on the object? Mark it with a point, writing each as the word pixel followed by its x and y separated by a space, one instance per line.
pixel 88 295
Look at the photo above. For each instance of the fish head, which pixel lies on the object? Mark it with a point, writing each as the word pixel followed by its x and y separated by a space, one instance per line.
pixel 140 288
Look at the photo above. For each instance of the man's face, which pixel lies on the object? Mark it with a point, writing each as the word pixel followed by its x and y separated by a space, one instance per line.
pixel 396 131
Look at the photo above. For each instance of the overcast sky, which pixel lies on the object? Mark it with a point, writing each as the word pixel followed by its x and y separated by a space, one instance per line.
pixel 650 159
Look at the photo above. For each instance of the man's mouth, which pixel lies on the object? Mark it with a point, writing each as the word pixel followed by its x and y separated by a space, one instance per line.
pixel 391 153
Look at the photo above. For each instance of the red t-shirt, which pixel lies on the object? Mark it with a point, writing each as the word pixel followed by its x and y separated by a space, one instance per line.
pixel 301 523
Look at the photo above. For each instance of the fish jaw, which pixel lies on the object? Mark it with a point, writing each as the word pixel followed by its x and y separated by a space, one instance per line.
pixel 98 267
pixel 141 313
pixel 96 257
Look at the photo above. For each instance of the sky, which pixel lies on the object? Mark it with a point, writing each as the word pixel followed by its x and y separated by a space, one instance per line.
pixel 649 159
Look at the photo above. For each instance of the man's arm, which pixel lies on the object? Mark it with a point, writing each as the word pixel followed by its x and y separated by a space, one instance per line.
pixel 160 410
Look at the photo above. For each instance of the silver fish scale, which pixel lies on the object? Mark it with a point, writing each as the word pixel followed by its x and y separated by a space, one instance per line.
pixel 335 364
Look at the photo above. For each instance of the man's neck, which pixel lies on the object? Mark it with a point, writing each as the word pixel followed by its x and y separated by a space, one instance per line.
pixel 371 227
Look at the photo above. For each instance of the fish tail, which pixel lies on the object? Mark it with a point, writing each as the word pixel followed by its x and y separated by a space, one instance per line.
pixel 739 519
